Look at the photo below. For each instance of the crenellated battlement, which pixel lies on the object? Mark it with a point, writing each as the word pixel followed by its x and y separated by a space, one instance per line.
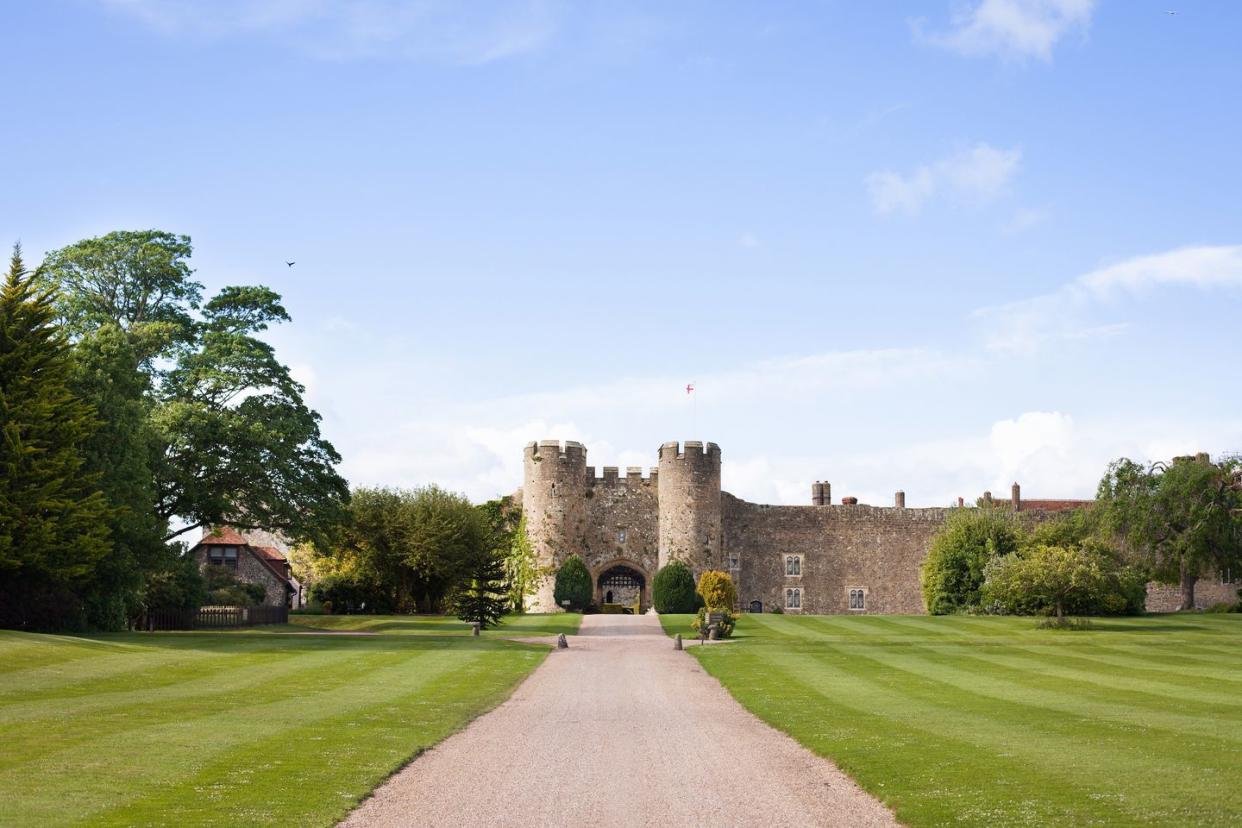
pixel 569 451
pixel 690 450
pixel 612 476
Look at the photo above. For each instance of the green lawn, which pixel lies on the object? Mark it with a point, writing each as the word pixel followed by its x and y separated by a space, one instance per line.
pixel 988 721
pixel 236 728
pixel 513 626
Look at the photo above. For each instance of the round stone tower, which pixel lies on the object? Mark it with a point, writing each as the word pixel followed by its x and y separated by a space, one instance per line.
pixel 689 492
pixel 554 504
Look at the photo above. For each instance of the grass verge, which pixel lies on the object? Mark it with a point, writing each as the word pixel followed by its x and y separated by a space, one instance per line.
pixel 234 728
pixel 989 721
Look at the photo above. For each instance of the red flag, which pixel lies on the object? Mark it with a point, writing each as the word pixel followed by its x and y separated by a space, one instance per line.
pixel 689 388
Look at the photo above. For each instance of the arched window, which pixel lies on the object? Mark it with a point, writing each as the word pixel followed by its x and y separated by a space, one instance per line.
pixel 858 599
pixel 793 598
pixel 793 566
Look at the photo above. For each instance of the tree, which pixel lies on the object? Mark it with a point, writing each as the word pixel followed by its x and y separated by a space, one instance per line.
pixel 1047 578
pixel 120 453
pixel 483 597
pixel 953 572
pixel 139 281
pixel 1180 518
pixel 235 441
pixel 522 570
pixel 717 590
pixel 673 589
pixel 53 518
pixel 405 549
pixel 573 585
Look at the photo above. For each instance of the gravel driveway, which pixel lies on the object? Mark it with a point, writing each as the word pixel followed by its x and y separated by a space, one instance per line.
pixel 619 730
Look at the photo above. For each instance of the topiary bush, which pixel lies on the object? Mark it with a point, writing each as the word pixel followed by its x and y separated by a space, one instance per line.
pixel 673 590
pixel 573 584
pixel 717 590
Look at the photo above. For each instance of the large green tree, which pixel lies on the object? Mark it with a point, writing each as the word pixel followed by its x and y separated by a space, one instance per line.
pixel 953 572
pixel 412 547
pixel 121 453
pixel 53 518
pixel 234 441
pixel 1182 518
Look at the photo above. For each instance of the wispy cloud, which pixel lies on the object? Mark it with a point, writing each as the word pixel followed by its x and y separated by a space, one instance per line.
pixel 1023 219
pixel 1010 29
pixel 466 33
pixel 1070 312
pixel 975 176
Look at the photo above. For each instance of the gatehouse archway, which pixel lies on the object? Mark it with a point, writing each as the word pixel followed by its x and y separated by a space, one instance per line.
pixel 621 587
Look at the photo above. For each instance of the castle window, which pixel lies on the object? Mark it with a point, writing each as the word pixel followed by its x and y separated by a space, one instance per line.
pixel 858 599
pixel 793 566
pixel 1227 576
pixel 734 561
pixel 793 598
pixel 620 536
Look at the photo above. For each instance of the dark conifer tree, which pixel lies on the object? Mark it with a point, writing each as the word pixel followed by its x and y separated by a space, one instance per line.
pixel 484 596
pixel 53 518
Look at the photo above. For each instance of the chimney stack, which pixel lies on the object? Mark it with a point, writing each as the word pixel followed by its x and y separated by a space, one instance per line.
pixel 961 502
pixel 817 494
pixel 899 500
pixel 1015 497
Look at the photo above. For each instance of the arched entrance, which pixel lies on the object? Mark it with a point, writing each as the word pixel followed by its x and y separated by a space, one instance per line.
pixel 621 588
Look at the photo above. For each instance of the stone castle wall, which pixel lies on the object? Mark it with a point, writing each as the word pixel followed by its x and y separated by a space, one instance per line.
pixel 1208 591
pixel 840 548
pixel 622 523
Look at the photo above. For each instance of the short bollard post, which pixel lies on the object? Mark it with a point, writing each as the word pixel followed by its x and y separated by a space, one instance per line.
pixel 561 643
pixel 713 634
pixel 474 628
pixel 677 641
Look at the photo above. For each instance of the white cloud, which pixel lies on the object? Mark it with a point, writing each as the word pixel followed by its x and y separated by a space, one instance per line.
pixel 1011 29
pixel 975 176
pixel 478 32
pixel 1069 312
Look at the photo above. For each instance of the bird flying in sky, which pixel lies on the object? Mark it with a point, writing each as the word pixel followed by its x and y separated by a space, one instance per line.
pixel 290 264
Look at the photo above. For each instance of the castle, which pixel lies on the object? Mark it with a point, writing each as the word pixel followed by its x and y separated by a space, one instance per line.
pixel 820 558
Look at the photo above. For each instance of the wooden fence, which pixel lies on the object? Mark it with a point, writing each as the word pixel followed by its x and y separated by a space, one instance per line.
pixel 213 618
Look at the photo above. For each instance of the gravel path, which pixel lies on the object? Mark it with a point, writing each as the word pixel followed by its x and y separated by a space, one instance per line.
pixel 619 730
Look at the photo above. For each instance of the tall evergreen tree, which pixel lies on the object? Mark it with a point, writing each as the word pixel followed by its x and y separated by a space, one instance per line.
pixel 121 451
pixel 53 518
pixel 484 596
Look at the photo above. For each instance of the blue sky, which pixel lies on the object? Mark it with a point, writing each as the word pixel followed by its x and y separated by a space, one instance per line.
pixel 936 246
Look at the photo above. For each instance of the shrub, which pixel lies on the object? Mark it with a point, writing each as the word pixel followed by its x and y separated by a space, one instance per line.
pixel 1061 580
pixel 573 584
pixel 351 594
pixel 224 588
pixel 717 590
pixel 673 590
pixel 1065 623
pixel 953 572
pixel 777 609
pixel 724 626
pixel 180 586
pixel 1222 606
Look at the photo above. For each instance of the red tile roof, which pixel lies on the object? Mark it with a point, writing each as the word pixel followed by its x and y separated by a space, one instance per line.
pixel 1053 505
pixel 271 553
pixel 224 536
